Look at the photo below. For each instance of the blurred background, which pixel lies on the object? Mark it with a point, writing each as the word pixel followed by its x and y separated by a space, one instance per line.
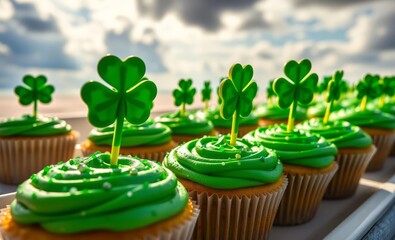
pixel 187 39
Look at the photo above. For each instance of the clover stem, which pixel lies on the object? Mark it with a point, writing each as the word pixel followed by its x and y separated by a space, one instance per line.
pixel 382 101
pixel 328 112
pixel 182 112
pixel 35 108
pixel 206 105
pixel 363 102
pixel 235 128
pixel 270 101
pixel 116 140
pixel 291 117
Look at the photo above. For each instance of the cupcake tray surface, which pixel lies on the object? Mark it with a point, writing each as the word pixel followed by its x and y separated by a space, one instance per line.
pixel 350 218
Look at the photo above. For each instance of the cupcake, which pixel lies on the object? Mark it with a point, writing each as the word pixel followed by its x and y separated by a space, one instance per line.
pixel 33 141
pixel 149 140
pixel 308 158
pixel 355 150
pixel 238 184
pixel 380 126
pixel 89 198
pixel 186 126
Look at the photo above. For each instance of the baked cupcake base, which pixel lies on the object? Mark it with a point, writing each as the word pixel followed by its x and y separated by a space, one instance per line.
pixel 186 138
pixel 243 130
pixel 22 156
pixel 306 188
pixel 384 140
pixel 178 227
pixel 154 153
pixel 245 213
pixel 352 165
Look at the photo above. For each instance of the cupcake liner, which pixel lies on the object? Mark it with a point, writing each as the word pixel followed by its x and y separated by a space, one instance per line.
pixel 182 231
pixel 384 142
pixel 20 157
pixel 236 217
pixel 303 196
pixel 351 168
pixel 393 150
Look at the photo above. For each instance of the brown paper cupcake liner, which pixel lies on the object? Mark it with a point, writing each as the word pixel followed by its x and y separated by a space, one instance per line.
pixel 303 196
pixel 182 231
pixel 243 130
pixel 352 166
pixel 236 217
pixel 20 157
pixel 384 141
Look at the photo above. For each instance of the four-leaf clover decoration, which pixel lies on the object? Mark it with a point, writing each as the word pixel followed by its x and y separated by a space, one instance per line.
pixel 299 87
pixel 184 95
pixel 37 90
pixel 131 96
pixel 206 94
pixel 237 93
pixel 368 87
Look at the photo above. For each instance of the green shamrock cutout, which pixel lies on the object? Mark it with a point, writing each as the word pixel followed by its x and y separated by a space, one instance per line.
pixel 299 87
pixel 368 88
pixel 387 87
pixel 237 93
pixel 36 91
pixel 206 94
pixel 323 86
pixel 184 95
pixel 131 96
pixel 334 91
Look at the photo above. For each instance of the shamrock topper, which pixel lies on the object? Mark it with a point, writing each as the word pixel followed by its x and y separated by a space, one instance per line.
pixel 206 94
pixel 323 86
pixel 236 94
pixel 368 87
pixel 184 95
pixel 299 87
pixel 130 97
pixel 387 87
pixel 37 91
pixel 334 91
pixel 270 92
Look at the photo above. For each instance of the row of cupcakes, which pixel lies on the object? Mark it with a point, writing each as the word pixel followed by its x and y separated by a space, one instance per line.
pixel 227 176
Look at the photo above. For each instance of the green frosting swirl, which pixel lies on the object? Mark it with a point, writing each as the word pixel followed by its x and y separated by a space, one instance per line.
pixel 388 108
pixel 29 126
pixel 191 124
pixel 214 116
pixel 297 147
pixel 88 193
pixel 368 118
pixel 213 162
pixel 148 133
pixel 341 133
pixel 273 112
pixel 319 109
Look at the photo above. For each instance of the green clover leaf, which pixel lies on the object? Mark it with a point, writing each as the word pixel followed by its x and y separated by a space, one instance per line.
pixel 206 94
pixel 387 88
pixel 35 91
pixel 368 88
pixel 184 95
pixel 237 93
pixel 269 90
pixel 131 96
pixel 206 91
pixel 335 87
pixel 323 86
pixel 299 87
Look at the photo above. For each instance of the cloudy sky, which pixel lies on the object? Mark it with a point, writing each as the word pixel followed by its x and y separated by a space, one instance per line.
pixel 193 39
